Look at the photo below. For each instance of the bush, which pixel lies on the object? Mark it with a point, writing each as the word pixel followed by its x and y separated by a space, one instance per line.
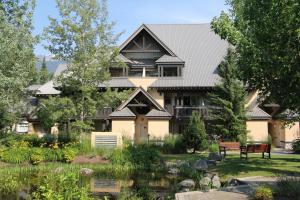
pixel 49 139
pixel 36 156
pixel 15 155
pixel 142 155
pixel 69 155
pixel 288 187
pixel 9 185
pixel 263 193
pixel 296 146
pixel 61 186
pixel 194 135
pixel 213 148
pixel 173 144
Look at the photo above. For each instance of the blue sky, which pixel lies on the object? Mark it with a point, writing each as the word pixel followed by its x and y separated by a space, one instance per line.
pixel 129 14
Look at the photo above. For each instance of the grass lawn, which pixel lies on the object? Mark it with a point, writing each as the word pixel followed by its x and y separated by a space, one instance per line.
pixel 233 166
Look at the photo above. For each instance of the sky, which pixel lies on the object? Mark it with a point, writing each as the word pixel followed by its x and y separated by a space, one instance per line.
pixel 130 14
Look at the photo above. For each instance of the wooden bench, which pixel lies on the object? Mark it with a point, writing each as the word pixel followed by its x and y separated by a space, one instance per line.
pixel 255 148
pixel 228 146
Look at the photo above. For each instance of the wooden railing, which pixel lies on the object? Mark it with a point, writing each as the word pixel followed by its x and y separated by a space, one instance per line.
pixel 186 111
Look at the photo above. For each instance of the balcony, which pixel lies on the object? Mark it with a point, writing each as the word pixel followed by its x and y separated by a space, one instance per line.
pixel 186 111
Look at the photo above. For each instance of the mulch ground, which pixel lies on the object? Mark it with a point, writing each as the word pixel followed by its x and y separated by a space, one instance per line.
pixel 90 160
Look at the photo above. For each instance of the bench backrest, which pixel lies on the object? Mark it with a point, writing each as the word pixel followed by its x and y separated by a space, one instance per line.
pixel 230 145
pixel 258 148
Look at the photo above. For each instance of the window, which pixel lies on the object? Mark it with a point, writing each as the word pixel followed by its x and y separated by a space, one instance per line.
pixel 151 72
pixel 168 101
pixel 170 71
pixel 186 101
pixel 116 72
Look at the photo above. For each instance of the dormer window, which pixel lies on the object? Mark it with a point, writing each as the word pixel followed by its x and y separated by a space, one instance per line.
pixel 170 70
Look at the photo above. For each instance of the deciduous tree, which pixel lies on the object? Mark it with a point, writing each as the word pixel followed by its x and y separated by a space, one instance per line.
pixel 266 35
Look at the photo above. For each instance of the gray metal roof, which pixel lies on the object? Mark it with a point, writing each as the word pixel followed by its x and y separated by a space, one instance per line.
pixel 257 113
pixel 126 112
pixel 118 82
pixel 123 58
pixel 33 87
pixel 154 113
pixel 197 45
pixel 47 89
pixel 169 59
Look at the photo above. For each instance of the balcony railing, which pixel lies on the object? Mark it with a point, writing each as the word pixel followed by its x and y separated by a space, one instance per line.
pixel 187 111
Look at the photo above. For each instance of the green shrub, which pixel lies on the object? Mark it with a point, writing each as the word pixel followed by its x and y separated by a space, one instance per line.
pixel 142 155
pixel 213 148
pixel 53 155
pixel 49 139
pixel 195 136
pixel 296 146
pixel 263 193
pixel 9 184
pixel 288 187
pixel 61 186
pixel 173 144
pixel 69 154
pixel 36 156
pixel 15 155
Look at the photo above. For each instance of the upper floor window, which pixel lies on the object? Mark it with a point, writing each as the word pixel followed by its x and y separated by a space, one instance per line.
pixel 170 71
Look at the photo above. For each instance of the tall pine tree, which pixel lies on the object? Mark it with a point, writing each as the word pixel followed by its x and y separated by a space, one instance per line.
pixel 229 99
pixel 44 75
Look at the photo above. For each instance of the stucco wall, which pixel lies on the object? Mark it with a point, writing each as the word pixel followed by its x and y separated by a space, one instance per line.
pixel 143 82
pixel 257 130
pixel 125 127
pixel 158 129
pixel 292 133
pixel 159 97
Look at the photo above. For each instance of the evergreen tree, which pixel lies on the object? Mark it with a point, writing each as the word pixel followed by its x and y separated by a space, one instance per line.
pixel 229 100
pixel 44 75
pixel 194 135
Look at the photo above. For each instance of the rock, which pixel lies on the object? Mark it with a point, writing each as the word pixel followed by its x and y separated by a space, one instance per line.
pixel 205 181
pixel 173 170
pixel 209 175
pixel 200 165
pixel 86 171
pixel 58 170
pixel 183 164
pixel 216 182
pixel 214 156
pixel 170 164
pixel 187 183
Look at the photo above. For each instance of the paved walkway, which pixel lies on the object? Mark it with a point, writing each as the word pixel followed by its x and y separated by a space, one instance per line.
pixel 214 195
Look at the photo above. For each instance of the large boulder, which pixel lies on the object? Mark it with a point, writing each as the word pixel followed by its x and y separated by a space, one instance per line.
pixel 215 182
pixel 201 165
pixel 204 182
pixel 214 157
pixel 86 171
pixel 187 183
pixel 174 171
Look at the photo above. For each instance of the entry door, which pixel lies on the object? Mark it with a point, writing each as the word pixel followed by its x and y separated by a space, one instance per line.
pixel 141 129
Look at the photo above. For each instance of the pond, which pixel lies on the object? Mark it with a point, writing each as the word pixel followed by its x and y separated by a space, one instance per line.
pixel 154 185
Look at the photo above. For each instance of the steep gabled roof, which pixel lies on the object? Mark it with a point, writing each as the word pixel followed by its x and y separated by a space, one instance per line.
pixel 169 59
pixel 125 112
pixel 117 83
pixel 257 113
pixel 136 92
pixel 144 27
pixel 154 113
pixel 198 46
pixel 48 89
